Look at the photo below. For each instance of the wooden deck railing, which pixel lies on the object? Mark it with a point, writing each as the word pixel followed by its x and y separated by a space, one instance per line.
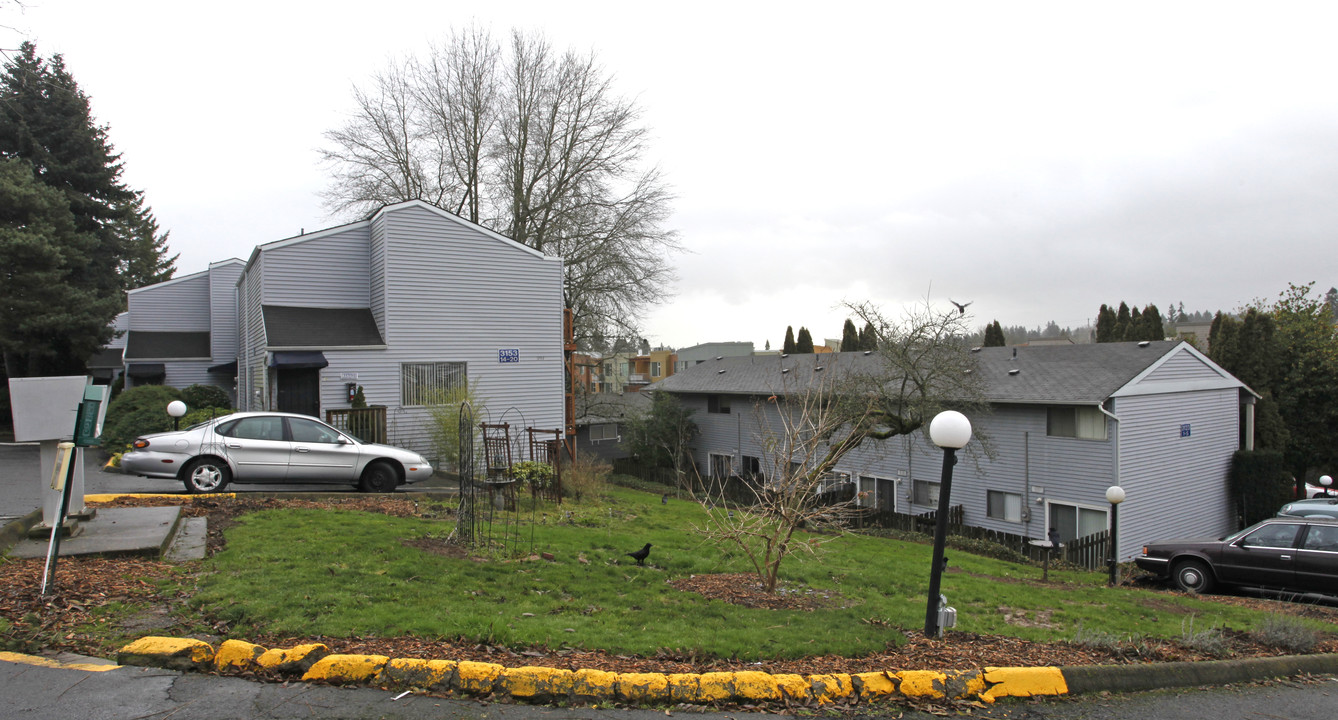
pixel 366 424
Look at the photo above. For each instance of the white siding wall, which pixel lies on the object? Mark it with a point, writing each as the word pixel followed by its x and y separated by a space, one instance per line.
pixel 251 354
pixel 183 374
pixel 1176 486
pixel 180 305
pixel 377 279
pixel 326 271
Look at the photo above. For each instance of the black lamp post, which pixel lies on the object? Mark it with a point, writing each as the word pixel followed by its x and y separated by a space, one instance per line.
pixel 1114 496
pixel 951 431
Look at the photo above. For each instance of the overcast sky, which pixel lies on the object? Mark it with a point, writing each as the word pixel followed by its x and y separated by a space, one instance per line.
pixel 1036 159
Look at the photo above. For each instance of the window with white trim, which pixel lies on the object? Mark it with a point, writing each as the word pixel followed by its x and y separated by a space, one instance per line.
pixel 1084 423
pixel 925 492
pixel 431 383
pixel 1003 506
pixel 1073 521
pixel 721 465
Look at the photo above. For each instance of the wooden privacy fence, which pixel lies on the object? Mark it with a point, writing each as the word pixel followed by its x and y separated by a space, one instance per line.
pixel 366 424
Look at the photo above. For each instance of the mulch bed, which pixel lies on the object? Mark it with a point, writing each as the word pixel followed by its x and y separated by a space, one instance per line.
pixel 70 619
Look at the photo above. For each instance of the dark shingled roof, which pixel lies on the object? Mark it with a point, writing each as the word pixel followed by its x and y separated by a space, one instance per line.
pixel 140 345
pixel 305 327
pixel 1077 374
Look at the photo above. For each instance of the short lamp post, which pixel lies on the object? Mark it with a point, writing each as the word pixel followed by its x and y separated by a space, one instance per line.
pixel 176 409
pixel 951 431
pixel 1114 496
pixel 1325 481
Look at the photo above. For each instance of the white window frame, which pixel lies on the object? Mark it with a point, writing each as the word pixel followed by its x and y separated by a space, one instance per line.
pixel 712 463
pixel 420 380
pixel 1083 422
pixel 1078 508
pixel 915 492
pixel 1005 497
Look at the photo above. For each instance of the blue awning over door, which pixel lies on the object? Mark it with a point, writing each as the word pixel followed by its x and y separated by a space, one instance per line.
pixel 298 360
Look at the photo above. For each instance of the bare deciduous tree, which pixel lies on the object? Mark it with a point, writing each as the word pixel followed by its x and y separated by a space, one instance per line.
pixel 532 143
pixel 826 406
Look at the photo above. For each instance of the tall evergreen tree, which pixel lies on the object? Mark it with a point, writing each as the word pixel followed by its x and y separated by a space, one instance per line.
pixel 1152 327
pixel 1122 318
pixel 1134 330
pixel 868 337
pixel 804 344
pixel 1105 324
pixel 46 122
pixel 788 347
pixel 994 335
pixel 849 337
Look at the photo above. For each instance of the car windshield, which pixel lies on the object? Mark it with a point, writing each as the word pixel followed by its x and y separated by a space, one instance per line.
pixel 1233 537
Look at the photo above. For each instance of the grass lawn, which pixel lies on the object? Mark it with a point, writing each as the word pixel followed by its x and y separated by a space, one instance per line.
pixel 345 574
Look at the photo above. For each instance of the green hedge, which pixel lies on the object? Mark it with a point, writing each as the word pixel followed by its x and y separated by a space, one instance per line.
pixel 1260 484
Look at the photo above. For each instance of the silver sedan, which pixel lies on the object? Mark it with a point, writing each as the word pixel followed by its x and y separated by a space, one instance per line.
pixel 266 447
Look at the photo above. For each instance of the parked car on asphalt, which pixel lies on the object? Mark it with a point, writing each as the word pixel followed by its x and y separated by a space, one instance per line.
pixel 1318 507
pixel 1289 553
pixel 268 447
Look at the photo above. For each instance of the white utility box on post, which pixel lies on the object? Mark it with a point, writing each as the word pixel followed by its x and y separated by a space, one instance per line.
pixel 45 410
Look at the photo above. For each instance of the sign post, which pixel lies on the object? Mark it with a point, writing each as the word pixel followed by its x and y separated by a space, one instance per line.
pixel 89 415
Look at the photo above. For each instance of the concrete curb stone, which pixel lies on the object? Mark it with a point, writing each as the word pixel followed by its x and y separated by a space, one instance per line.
pixel 314 663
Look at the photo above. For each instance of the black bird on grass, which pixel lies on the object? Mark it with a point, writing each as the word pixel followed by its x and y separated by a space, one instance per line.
pixel 640 555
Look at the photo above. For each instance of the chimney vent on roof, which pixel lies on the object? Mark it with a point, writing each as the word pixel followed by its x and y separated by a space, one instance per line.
pixel 1014 371
pixel 719 372
pixel 975 349
pixel 868 352
pixel 1143 343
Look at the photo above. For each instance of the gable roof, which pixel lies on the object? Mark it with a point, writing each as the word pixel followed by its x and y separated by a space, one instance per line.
pixel 320 328
pixel 1052 374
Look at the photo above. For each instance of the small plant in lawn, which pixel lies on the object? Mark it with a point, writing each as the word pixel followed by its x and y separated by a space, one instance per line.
pixel 1288 633
pixel 586 477
pixel 1209 642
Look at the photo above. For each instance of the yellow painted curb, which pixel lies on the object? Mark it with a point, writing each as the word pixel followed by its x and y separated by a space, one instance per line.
pixel 346 668
pixel 237 655
pixel 314 662
pixel 1023 682
pixel 109 497
pixel 49 663
pixel 166 652
pixel 293 661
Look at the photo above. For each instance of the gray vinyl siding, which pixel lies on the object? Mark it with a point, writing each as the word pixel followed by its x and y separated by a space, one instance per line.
pixel 251 361
pixel 377 280
pixel 1179 367
pixel 1176 486
pixel 184 373
pixel 456 294
pixel 223 331
pixel 1027 463
pixel 180 305
pixel 323 271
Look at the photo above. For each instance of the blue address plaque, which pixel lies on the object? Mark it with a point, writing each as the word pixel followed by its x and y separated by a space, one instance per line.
pixel 508 355
pixel 1184 430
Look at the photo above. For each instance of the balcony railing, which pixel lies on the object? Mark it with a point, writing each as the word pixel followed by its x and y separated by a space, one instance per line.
pixel 365 424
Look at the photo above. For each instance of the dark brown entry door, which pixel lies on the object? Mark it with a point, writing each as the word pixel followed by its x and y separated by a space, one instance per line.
pixel 299 391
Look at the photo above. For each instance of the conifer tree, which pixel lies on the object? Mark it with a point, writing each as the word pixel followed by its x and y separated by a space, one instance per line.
pixel 994 335
pixel 849 337
pixel 1105 324
pixel 788 347
pixel 46 122
pixel 1122 318
pixel 868 338
pixel 804 344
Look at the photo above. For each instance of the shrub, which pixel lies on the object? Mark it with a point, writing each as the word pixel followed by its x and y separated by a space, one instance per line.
pixel 537 474
pixel 444 427
pixel 1288 633
pixel 137 411
pixel 585 478
pixel 194 417
pixel 198 397
pixel 1209 642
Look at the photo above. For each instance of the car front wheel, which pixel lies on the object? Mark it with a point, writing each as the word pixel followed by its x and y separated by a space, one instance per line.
pixel 206 475
pixel 379 477
pixel 1193 576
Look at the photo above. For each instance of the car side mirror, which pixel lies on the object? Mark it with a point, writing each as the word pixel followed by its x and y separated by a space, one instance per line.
pixel 343 440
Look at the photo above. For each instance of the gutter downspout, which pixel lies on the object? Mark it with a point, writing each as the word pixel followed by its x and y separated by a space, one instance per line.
pixel 1102 407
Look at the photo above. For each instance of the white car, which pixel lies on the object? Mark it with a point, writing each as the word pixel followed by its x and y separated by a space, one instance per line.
pixel 269 447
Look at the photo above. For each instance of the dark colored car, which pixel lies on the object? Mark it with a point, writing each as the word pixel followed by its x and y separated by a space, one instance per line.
pixel 1318 507
pixel 1288 553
